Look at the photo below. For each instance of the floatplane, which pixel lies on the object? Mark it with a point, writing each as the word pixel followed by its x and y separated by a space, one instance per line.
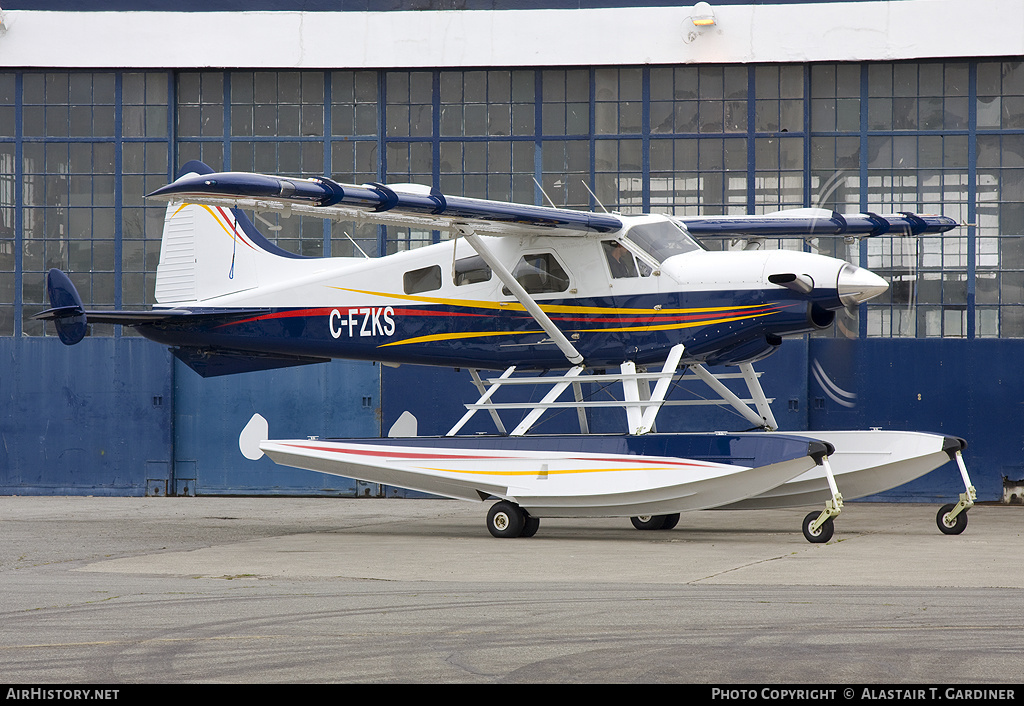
pixel 633 301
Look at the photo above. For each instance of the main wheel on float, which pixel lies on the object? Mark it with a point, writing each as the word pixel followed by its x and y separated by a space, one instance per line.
pixel 506 519
pixel 650 522
pixel 530 526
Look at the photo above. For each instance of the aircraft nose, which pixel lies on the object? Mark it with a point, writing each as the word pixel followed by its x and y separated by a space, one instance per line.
pixel 857 285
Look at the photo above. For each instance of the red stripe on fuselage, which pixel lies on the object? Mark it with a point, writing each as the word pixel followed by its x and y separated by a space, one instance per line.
pixel 666 318
pixel 326 311
pixel 654 318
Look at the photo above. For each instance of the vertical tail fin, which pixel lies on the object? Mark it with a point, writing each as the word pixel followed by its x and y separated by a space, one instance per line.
pixel 203 255
pixel 209 251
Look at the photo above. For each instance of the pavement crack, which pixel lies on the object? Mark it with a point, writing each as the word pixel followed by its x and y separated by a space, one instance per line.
pixel 734 569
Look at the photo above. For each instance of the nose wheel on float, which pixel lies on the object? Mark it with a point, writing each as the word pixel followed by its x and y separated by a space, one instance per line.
pixel 818 527
pixel 816 531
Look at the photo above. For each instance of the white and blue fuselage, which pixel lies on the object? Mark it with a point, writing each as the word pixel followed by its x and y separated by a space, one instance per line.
pixel 629 294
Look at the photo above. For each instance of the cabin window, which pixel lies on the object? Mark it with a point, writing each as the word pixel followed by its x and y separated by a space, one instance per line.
pixel 470 270
pixel 539 273
pixel 425 279
pixel 662 239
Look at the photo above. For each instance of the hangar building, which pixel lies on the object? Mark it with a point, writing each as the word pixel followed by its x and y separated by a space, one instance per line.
pixel 900 105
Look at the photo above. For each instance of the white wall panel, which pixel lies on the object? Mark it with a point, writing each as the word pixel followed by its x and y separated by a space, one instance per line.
pixel 846 31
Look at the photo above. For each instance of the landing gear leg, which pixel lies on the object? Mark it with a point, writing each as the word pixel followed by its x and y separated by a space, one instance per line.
pixel 952 519
pixel 818 527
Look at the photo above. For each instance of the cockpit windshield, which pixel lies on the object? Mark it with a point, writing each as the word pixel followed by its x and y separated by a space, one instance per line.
pixel 662 239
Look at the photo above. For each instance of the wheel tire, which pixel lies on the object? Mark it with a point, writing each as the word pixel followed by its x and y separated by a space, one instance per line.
pixel 959 523
pixel 824 532
pixel 505 519
pixel 530 527
pixel 670 521
pixel 648 522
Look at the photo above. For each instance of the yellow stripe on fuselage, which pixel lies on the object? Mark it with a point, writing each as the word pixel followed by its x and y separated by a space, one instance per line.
pixel 454 337
pixel 548 308
pixel 634 329
pixel 669 327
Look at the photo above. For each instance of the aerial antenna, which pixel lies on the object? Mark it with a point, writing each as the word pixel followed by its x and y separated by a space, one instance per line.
pixel 550 202
pixel 594 196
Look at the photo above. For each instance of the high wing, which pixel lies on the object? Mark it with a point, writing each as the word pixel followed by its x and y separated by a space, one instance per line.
pixel 399 205
pixel 815 223
pixel 420 206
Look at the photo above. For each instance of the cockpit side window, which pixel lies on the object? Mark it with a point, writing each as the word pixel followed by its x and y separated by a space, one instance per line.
pixel 621 262
pixel 539 273
pixel 662 239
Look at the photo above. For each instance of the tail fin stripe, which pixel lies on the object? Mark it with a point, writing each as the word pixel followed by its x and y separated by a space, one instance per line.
pixel 228 223
pixel 234 248
pixel 230 226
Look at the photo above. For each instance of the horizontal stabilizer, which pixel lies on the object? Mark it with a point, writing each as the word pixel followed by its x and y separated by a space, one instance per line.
pixel 72 320
pixel 115 316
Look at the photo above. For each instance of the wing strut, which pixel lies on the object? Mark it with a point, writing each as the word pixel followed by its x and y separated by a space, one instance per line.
pixel 521 294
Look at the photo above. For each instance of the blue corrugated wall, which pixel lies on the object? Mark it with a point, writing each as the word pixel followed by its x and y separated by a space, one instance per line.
pixel 95 419
pixel 123 417
pixel 971 389
pixel 119 416
pixel 339 398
